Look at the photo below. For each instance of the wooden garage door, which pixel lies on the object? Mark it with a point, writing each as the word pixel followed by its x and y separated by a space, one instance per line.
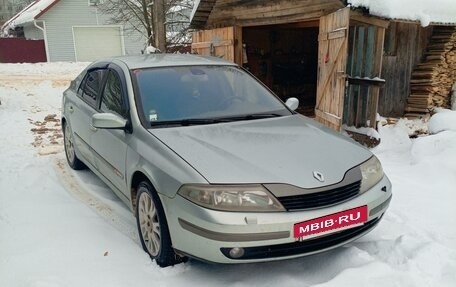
pixel 222 42
pixel 332 58
pixel 95 42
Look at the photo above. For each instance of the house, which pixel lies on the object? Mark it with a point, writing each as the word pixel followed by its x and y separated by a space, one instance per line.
pixel 345 61
pixel 74 30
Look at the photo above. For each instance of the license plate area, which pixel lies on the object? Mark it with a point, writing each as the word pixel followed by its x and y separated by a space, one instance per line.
pixel 330 223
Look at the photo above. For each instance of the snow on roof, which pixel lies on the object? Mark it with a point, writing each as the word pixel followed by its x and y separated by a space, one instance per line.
pixel 424 11
pixel 29 13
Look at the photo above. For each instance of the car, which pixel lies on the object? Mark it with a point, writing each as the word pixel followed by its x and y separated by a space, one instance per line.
pixel 214 166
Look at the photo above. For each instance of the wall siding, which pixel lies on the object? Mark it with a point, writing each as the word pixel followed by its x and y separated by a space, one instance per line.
pixel 60 19
pixel 411 40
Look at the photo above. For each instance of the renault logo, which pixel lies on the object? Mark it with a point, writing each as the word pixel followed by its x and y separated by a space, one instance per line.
pixel 319 176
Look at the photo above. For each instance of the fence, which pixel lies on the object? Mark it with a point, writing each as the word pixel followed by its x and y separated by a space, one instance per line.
pixel 21 50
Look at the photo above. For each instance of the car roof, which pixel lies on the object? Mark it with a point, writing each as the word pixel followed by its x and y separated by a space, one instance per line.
pixel 167 60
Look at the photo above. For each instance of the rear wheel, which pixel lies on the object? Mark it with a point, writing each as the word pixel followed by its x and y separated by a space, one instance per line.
pixel 153 228
pixel 72 159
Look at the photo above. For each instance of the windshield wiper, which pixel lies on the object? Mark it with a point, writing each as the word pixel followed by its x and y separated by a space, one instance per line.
pixel 188 122
pixel 253 117
pixel 208 121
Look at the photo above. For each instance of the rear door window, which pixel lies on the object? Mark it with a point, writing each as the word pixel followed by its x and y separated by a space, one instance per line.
pixel 90 87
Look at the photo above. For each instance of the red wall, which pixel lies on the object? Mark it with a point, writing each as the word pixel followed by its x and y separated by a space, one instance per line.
pixel 20 50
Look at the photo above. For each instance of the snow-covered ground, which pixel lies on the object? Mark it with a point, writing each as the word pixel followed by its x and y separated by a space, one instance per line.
pixel 59 227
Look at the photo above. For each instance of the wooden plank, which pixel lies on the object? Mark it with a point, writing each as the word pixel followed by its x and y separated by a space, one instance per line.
pixel 215 44
pixel 238 49
pixel 333 119
pixel 332 58
pixel 370 20
pixel 303 24
pixel 268 12
pixel 219 42
pixel 341 33
pixel 377 68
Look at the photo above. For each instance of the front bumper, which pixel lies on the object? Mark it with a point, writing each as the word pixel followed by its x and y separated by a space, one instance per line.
pixel 210 235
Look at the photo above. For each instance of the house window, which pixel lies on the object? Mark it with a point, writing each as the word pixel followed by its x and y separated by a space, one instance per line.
pixel 95 2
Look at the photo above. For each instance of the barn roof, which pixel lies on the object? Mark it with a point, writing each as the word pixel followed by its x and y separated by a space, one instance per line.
pixel 426 12
pixel 201 11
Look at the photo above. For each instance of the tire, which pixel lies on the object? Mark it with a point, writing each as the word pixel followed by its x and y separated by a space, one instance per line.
pixel 153 228
pixel 70 152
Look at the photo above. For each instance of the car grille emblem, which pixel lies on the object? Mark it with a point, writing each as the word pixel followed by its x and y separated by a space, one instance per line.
pixel 319 176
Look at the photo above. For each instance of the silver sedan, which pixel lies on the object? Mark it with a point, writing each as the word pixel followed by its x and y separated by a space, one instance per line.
pixel 214 166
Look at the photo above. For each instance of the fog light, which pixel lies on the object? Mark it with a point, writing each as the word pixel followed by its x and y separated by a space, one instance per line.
pixel 236 252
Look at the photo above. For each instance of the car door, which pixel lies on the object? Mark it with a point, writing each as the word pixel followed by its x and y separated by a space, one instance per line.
pixel 109 146
pixel 81 108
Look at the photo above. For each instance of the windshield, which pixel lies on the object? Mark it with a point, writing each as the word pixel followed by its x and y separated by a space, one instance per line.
pixel 189 93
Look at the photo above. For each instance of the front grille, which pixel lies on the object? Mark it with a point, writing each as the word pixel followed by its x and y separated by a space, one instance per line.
pixel 320 199
pixel 307 246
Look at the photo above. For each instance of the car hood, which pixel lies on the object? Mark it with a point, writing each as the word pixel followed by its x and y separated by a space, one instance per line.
pixel 278 150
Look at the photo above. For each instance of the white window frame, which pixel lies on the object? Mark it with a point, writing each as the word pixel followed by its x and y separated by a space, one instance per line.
pixel 94 2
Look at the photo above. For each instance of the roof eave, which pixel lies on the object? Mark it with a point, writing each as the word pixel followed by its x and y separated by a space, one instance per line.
pixel 201 13
pixel 46 9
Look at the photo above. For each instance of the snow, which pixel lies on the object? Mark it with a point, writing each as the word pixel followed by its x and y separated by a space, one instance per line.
pixel 152 50
pixel 453 98
pixel 370 132
pixel 424 11
pixel 29 13
pixel 444 120
pixel 59 227
pixel 53 69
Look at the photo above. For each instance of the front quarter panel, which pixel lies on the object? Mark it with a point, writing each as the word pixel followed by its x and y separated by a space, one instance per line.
pixel 148 155
pixel 164 168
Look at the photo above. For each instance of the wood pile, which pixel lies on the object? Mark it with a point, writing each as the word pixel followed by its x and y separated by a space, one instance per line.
pixel 433 78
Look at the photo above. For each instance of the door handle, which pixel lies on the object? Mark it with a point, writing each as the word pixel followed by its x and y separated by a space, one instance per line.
pixel 70 109
pixel 93 129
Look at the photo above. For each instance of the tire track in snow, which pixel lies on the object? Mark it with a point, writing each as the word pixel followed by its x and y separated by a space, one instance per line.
pixel 103 209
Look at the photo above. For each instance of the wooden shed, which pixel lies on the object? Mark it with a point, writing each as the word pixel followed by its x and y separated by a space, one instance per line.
pixel 322 52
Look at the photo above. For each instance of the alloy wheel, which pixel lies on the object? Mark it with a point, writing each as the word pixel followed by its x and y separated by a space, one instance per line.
pixel 69 147
pixel 149 224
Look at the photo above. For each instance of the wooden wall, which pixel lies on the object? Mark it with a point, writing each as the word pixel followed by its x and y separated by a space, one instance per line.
pixel 404 48
pixel 268 12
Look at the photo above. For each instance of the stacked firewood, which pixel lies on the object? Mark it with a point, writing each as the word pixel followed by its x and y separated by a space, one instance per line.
pixel 432 80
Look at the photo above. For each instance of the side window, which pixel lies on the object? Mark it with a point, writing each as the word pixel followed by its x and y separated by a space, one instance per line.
pixel 112 100
pixel 90 86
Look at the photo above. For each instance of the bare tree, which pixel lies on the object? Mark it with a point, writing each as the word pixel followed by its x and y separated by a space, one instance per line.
pixel 20 4
pixel 152 18
pixel 178 21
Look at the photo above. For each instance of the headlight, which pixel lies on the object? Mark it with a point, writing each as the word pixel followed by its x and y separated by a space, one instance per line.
pixel 372 173
pixel 249 198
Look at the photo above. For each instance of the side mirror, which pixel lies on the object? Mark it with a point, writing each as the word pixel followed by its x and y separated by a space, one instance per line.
pixel 108 121
pixel 292 103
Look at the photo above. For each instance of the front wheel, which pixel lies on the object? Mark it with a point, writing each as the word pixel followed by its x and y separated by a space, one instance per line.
pixel 152 227
pixel 72 159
